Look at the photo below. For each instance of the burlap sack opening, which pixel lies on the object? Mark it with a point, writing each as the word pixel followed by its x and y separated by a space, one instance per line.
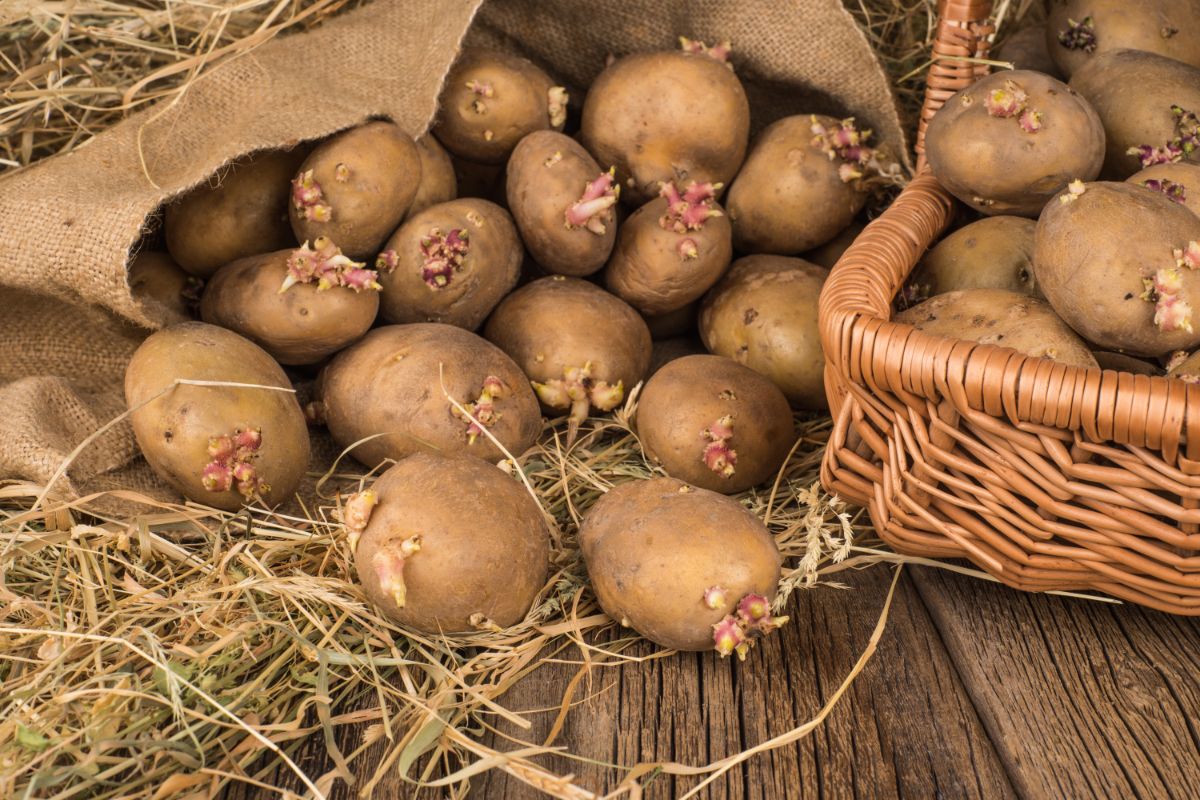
pixel 69 224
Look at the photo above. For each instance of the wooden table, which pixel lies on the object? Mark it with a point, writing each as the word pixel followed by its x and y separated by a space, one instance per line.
pixel 976 691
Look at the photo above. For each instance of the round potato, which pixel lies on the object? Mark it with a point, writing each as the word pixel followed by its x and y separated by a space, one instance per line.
pixel 1180 181
pixel 1006 319
pixel 393 385
pixel 1028 49
pixel 1118 265
pixel 763 314
pixel 1136 95
pixel 222 446
pixel 1078 31
pixel 581 347
pixel 562 203
pixel 791 194
pixel 828 254
pixel 240 212
pixel 438 183
pixel 450 263
pixel 430 561
pixel 156 280
pixel 1012 140
pixel 300 324
pixel 491 100
pixel 993 253
pixel 355 188
pixel 666 116
pixel 687 568
pixel 711 422
pixel 671 250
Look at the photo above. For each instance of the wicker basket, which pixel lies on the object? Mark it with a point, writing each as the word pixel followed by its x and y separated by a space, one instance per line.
pixel 1047 476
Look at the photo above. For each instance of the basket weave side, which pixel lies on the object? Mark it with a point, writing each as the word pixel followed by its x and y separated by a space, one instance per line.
pixel 1047 476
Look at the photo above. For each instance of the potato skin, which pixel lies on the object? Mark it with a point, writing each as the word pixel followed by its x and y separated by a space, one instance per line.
pixel 244 214
pixel 547 174
pixel 300 326
pixel 380 180
pixel 519 105
pixel 992 253
pixel 788 196
pixel 653 547
pixel 557 323
pixel 489 270
pixel 1005 319
pixel 155 279
pixel 763 314
pixel 389 382
pixel 647 271
pixel 828 254
pixel 665 351
pixel 493 565
pixel 1121 24
pixel 1184 173
pixel 438 184
pixel 666 116
pixel 1123 363
pixel 688 396
pixel 1092 255
pixel 993 165
pixel 673 324
pixel 173 430
pixel 1028 49
pixel 1133 93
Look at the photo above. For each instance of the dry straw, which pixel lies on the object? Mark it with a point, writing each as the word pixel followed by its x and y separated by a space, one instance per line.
pixel 169 654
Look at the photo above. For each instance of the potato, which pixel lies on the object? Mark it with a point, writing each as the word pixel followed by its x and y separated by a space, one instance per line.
pixel 680 322
pixel 1117 264
pixel 1012 140
pixel 486 181
pixel 300 325
pixel 355 188
pixel 1078 31
pixel 222 446
pixel 1003 318
pixel 671 250
pixel 993 253
pixel 581 347
pixel 391 383
pixel 240 212
pixel 828 254
pixel 429 560
pixel 491 100
pixel 711 422
pixel 438 183
pixel 156 280
pixel 666 116
pixel 1135 94
pixel 664 351
pixel 763 314
pixel 687 568
pixel 1123 363
pixel 562 203
pixel 450 263
pixel 791 195
pixel 1028 49
pixel 1180 181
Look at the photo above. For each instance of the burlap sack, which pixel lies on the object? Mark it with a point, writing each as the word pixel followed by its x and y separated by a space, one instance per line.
pixel 68 225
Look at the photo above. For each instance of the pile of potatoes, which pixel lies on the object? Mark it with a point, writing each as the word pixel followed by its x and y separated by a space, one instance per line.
pixel 537 253
pixel 1086 242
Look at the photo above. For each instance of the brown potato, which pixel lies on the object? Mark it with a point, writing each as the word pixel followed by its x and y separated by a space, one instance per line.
pixel 355 188
pixel 301 325
pixel 451 263
pixel 241 211
pixel 391 383
pixel 828 254
pixel 790 196
pixel 222 446
pixel 486 181
pixel 428 557
pixel 1123 363
pixel 1134 92
pixel 711 422
pixel 1012 140
pixel 1077 31
pixel 680 322
pixel 763 314
pixel 1107 262
pixel 670 251
pixel 491 100
pixel 1185 367
pixel 1179 181
pixel 666 116
pixel 581 347
pixel 664 351
pixel 562 202
pixel 1005 319
pixel 993 253
pixel 156 280
pixel 438 183
pixel 675 562
pixel 1028 49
